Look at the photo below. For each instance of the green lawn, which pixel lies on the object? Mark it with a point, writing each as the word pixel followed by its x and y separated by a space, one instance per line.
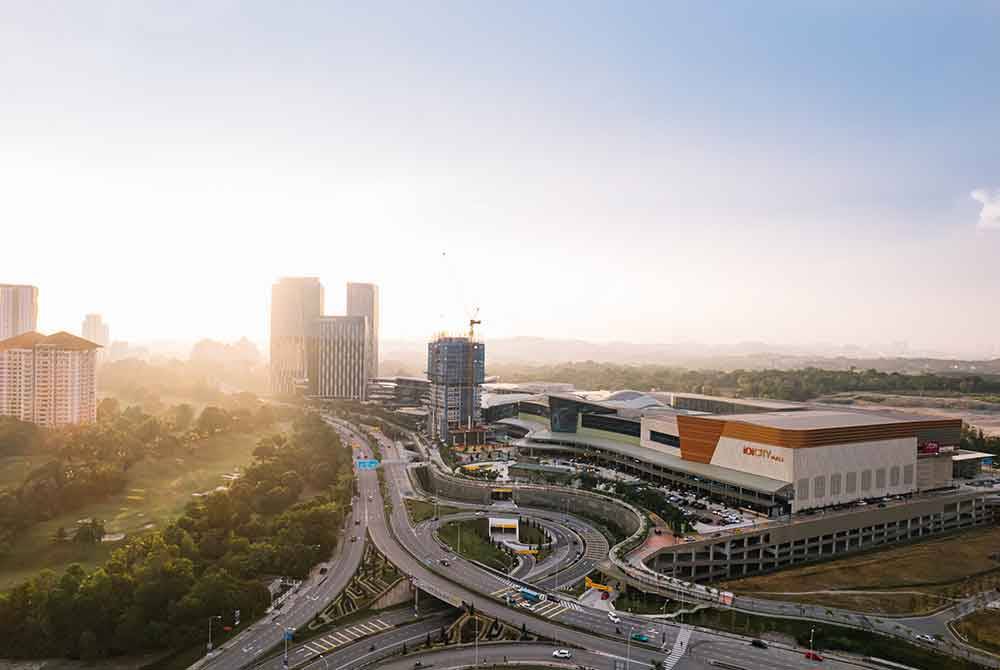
pixel 420 510
pixel 474 545
pixel 156 493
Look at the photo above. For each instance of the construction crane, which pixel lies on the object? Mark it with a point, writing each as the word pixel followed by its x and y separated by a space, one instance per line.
pixel 473 322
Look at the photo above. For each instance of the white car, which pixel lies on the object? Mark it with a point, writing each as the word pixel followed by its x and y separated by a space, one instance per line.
pixel 562 653
pixel 614 617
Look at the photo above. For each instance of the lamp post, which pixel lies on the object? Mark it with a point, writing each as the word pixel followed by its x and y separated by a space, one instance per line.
pixel 812 631
pixel 210 620
pixel 628 650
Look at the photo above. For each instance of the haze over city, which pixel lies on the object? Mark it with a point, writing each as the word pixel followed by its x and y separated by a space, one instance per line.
pixel 783 174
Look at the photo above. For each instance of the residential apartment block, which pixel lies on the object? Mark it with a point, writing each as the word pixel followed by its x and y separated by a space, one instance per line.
pixel 48 380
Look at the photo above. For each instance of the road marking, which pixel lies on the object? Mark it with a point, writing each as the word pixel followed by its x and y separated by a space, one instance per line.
pixel 315 651
pixel 338 635
pixel 331 640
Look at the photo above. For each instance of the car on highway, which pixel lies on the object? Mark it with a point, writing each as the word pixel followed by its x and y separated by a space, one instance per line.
pixel 354 538
pixel 371 498
pixel 813 656
pixel 562 653
pixel 760 644
pixel 927 638
pixel 614 617
pixel 640 637
pixel 444 562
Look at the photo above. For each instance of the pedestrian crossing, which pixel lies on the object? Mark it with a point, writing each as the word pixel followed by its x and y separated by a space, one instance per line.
pixel 549 608
pixel 680 646
pixel 342 636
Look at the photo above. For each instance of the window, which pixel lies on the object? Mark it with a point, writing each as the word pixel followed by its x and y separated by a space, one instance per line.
pixel 894 476
pixel 908 474
pixel 880 478
pixel 866 480
pixel 664 438
pixel 835 484
pixel 851 485
pixel 802 490
pixel 819 487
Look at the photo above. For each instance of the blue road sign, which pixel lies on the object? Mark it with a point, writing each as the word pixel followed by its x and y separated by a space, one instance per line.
pixel 367 464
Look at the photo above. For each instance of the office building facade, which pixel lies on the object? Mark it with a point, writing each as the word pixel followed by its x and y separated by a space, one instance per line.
pixel 363 300
pixel 18 310
pixel 48 380
pixel 456 369
pixel 296 303
pixel 339 357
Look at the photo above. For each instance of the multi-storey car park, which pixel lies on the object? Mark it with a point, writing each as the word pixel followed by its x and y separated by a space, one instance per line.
pixel 821 480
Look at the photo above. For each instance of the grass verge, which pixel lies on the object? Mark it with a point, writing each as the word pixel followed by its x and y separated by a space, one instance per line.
pixel 829 638
pixel 981 629
pixel 921 580
pixel 420 510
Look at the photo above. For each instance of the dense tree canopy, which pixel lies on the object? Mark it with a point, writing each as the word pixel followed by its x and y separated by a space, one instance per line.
pixel 158 590
pixel 801 384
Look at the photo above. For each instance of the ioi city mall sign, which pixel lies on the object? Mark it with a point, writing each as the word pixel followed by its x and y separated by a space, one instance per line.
pixel 760 452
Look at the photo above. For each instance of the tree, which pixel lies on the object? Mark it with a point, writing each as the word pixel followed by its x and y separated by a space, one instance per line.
pixel 108 409
pixel 181 417
pixel 88 646
pixel 213 420
pixel 90 531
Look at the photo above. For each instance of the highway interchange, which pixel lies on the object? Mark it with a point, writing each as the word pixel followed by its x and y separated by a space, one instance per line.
pixel 592 638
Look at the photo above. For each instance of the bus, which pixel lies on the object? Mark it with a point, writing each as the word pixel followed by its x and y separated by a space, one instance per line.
pixel 533 597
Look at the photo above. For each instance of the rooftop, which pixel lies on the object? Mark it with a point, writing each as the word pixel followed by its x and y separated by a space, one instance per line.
pixel 60 340
pixel 818 419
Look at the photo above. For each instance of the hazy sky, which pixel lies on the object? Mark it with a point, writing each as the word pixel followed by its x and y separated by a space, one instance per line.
pixel 788 172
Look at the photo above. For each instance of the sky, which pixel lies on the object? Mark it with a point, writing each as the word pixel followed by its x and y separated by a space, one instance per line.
pixel 822 172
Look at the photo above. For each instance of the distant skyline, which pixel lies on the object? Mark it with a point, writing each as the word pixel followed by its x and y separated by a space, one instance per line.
pixel 783 173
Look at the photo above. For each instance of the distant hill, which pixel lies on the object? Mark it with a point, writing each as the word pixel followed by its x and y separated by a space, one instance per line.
pixel 410 356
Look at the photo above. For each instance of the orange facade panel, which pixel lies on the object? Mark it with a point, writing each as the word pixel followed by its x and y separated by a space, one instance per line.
pixel 700 435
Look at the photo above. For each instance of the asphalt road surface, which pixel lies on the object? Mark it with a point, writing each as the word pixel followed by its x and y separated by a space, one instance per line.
pixel 570 624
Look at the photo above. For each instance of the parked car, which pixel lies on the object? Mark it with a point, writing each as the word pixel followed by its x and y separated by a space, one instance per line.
pixel 640 637
pixel 760 644
pixel 813 656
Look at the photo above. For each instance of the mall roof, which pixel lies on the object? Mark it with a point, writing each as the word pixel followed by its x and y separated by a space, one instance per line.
pixel 660 458
pixel 763 403
pixel 817 419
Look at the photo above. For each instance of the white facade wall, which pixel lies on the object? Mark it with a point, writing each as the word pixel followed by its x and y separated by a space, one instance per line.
pixel 666 425
pixel 828 475
pixel 49 386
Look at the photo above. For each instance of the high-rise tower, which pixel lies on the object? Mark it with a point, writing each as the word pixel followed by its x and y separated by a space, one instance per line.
pixel 18 310
pixel 296 302
pixel 362 300
pixel 456 367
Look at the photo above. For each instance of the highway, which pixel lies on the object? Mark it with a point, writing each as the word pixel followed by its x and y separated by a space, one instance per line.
pixel 418 555
pixel 311 597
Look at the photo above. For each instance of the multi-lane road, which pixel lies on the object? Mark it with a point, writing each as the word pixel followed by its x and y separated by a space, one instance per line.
pixel 570 624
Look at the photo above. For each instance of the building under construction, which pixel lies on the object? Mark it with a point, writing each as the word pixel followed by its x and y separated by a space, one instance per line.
pixel 456 369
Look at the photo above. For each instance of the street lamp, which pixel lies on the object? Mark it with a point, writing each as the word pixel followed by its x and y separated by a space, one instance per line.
pixel 628 650
pixel 812 631
pixel 210 620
